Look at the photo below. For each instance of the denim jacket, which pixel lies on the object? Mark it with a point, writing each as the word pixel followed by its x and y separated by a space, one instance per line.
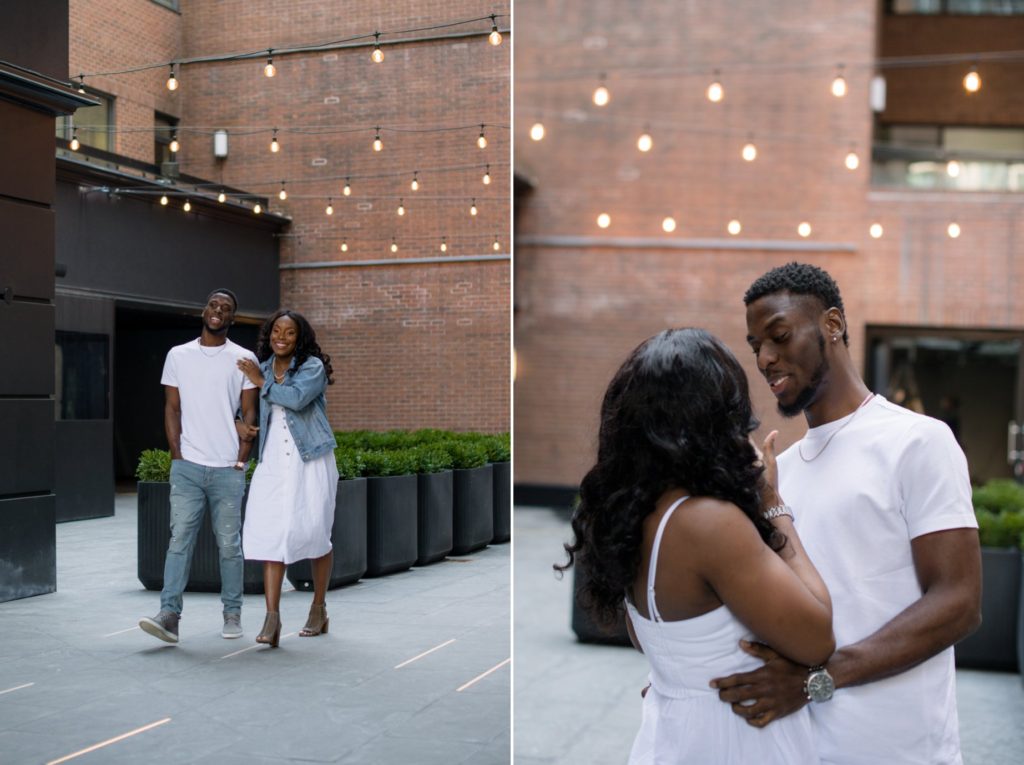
pixel 302 396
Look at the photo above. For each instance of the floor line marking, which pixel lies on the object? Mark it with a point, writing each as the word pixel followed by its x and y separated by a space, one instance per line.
pixel 16 688
pixel 485 674
pixel 257 645
pixel 121 632
pixel 414 658
pixel 109 741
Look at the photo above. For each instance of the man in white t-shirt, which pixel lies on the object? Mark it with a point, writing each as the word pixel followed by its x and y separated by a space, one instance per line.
pixel 204 388
pixel 882 503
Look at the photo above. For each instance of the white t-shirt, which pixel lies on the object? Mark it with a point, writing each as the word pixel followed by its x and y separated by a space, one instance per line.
pixel 210 385
pixel 889 475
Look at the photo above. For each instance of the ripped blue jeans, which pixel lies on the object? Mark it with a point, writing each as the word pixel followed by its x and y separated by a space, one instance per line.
pixel 193 487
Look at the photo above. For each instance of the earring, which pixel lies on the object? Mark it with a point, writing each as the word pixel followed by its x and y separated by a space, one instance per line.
pixel 835 338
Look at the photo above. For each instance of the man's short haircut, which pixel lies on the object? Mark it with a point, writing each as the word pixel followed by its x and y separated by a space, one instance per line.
pixel 224 291
pixel 799 279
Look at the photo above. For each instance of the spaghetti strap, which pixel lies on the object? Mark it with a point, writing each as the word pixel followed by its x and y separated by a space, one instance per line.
pixel 652 609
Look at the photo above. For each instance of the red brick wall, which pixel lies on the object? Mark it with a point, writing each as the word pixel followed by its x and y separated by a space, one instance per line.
pixel 579 310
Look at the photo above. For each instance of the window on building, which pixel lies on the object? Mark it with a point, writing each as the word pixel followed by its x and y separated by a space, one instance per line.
pixel 165 126
pixel 949 157
pixel 94 123
pixel 956 7
pixel 82 365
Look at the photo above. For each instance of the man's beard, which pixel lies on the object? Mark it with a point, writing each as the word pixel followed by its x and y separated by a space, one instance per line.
pixel 806 396
pixel 222 330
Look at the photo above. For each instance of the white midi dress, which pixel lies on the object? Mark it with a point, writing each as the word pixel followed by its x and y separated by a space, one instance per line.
pixel 684 721
pixel 290 511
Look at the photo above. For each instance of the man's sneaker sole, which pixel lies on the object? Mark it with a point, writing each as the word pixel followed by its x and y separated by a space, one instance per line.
pixel 230 636
pixel 153 628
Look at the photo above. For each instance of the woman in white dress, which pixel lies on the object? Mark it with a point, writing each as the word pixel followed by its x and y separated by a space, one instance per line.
pixel 679 497
pixel 290 511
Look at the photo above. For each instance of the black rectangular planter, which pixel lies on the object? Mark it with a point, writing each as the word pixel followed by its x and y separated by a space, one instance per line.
pixel 473 519
pixel 994 645
pixel 391 524
pixel 502 502
pixel 348 538
pixel 154 533
pixel 589 631
pixel 435 509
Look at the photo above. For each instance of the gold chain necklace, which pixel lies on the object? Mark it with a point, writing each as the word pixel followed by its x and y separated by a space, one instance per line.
pixel 834 432
pixel 278 377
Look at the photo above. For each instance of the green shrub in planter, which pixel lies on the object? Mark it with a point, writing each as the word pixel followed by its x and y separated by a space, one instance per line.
pixel 466 453
pixel 999 496
pixel 1000 529
pixel 380 462
pixel 154 466
pixel 432 458
pixel 349 462
pixel 499 447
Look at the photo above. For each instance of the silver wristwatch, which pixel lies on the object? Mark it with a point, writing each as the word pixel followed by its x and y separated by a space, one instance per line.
pixel 819 685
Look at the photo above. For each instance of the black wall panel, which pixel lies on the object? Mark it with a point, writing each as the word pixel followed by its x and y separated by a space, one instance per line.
pixel 27 332
pixel 28 547
pixel 26 452
pixel 85 480
pixel 28 242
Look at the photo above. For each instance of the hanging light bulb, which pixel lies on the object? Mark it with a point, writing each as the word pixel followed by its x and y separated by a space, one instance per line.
pixel 601 95
pixel 75 143
pixel 972 80
pixel 487 176
pixel 604 220
pixel 282 194
pixel 953 168
pixel 378 55
pixel 444 245
pixel 257 208
pixel 401 207
pixel 497 245
pixel 472 207
pixel 953 230
pixel 804 229
pixel 330 208
pixel 852 160
pixel 668 225
pixel 876 231
pixel 415 185
pixel 377 143
pixel 394 245
pixel 715 91
pixel 81 83
pixel 174 144
pixel 344 246
pixel 347 191
pixel 839 83
pixel 275 147
pixel 537 131
pixel 644 142
pixel 734 227
pixel 481 141
pixel 494 38
pixel 163 200
pixel 749 152
pixel 172 81
pixel 187 206
pixel 222 197
pixel 270 70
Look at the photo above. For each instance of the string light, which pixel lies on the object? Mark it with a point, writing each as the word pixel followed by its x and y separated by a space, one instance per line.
pixel 749 152
pixel 876 231
pixel 81 84
pixel 222 197
pixel 330 207
pixel 401 207
pixel 734 227
pixel 839 83
pixel 487 176
pixel 344 246
pixel 481 141
pixel 715 91
pixel 972 80
pixel 378 55
pixel 668 225
pixel 644 143
pixel 804 229
pixel 394 245
pixel 604 220
pixel 270 70
pixel 187 206
pixel 415 185
pixel 75 143
pixel 472 207
pixel 257 208
pixel 953 168
pixel 852 160
pixel 347 191
pixel 172 81
pixel 163 200
pixel 275 147
pixel 444 245
pixel 174 144
pixel 282 194
pixel 601 95
pixel 377 143
pixel 537 131
pixel 494 38
pixel 497 245
pixel 953 230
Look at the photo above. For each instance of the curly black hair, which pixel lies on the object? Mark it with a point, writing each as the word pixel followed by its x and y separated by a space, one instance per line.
pixel 800 279
pixel 676 414
pixel 305 345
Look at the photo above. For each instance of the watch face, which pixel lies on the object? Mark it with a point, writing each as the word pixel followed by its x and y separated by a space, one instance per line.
pixel 820 686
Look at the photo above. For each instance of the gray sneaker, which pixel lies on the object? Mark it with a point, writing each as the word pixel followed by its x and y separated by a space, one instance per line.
pixel 232 626
pixel 164 626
